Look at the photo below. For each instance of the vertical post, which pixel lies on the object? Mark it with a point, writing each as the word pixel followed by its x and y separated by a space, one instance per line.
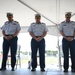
pixel 59 54
pixel 58 20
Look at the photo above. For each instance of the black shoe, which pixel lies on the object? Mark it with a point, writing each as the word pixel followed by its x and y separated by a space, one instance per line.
pixel 42 69
pixel 65 70
pixel 73 70
pixel 12 69
pixel 2 69
pixel 33 69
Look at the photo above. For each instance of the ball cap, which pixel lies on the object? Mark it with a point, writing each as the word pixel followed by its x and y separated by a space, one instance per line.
pixel 37 15
pixel 68 14
pixel 9 14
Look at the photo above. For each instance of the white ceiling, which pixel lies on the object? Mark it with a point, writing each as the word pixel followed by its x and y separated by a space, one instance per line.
pixel 53 10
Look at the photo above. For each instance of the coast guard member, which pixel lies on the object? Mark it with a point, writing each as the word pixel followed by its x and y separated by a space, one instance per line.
pixel 67 30
pixel 38 31
pixel 10 30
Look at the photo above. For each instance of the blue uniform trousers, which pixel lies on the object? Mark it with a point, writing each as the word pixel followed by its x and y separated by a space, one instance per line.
pixel 68 46
pixel 34 47
pixel 13 48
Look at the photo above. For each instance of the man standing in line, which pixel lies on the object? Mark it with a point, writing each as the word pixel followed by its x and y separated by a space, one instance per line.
pixel 67 30
pixel 38 31
pixel 10 30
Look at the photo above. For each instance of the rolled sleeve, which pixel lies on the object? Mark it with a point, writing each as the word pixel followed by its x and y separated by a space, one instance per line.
pixel 61 27
pixel 18 27
pixel 3 28
pixel 46 29
pixel 74 28
pixel 30 28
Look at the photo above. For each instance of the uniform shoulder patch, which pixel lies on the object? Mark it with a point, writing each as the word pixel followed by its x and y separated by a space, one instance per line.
pixel 6 23
pixel 63 22
pixel 33 23
pixel 72 21
pixel 15 23
pixel 42 23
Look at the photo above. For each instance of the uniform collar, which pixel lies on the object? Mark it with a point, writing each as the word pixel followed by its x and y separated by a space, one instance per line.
pixel 68 22
pixel 38 23
pixel 10 21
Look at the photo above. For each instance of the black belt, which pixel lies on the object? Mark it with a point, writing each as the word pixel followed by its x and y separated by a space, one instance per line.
pixel 69 36
pixel 37 36
pixel 9 35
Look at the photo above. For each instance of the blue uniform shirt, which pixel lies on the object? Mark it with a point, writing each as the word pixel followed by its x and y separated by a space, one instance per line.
pixel 11 27
pixel 68 28
pixel 38 29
